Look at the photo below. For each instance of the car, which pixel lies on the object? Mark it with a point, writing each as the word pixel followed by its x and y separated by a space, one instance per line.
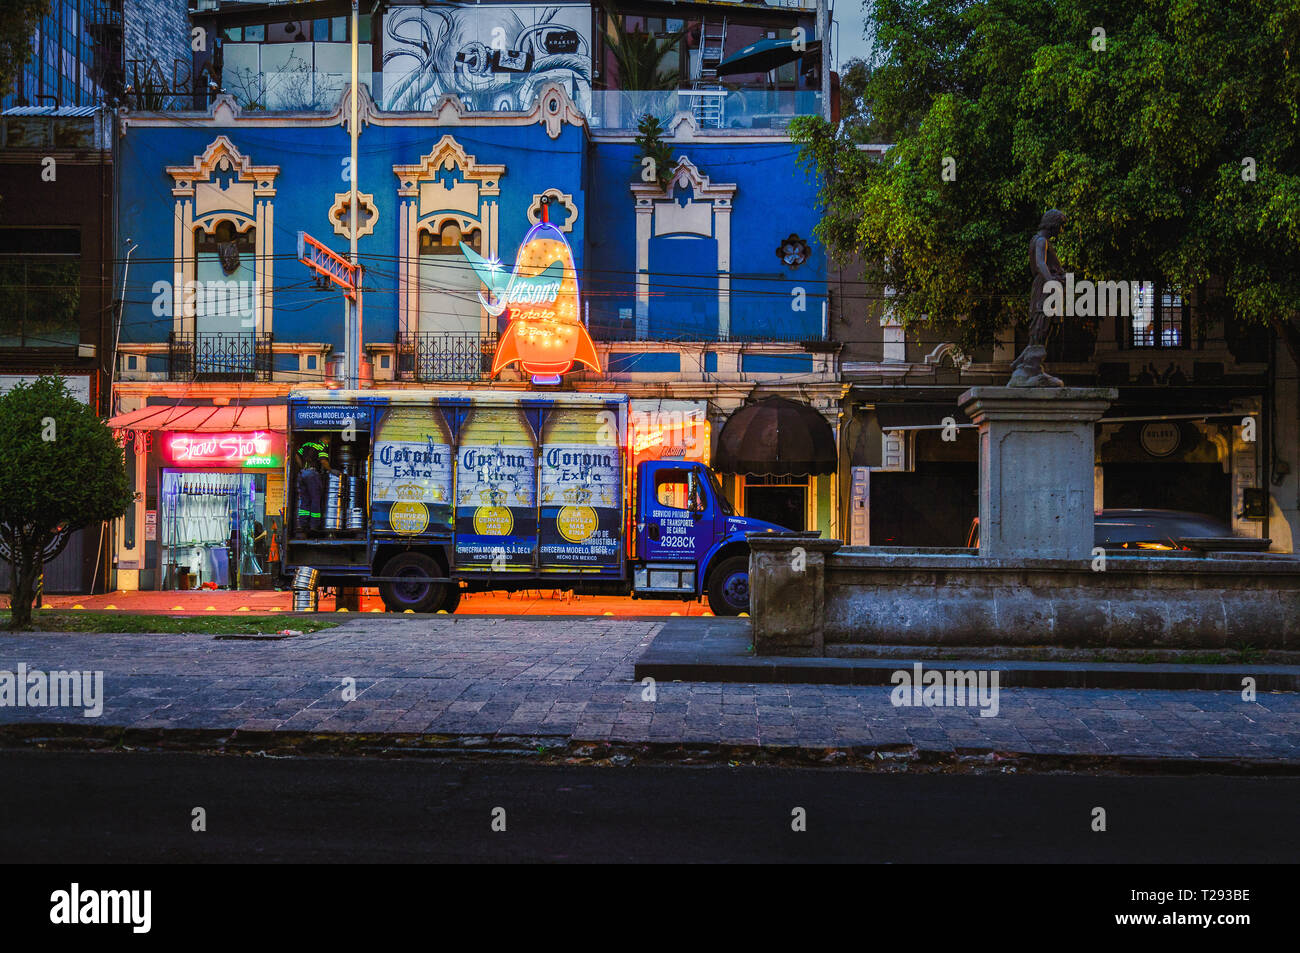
pixel 1153 530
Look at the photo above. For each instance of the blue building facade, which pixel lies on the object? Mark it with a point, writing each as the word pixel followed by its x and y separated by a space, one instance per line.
pixel 702 286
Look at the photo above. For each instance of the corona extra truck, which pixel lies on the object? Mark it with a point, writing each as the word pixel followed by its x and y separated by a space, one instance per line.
pixel 434 493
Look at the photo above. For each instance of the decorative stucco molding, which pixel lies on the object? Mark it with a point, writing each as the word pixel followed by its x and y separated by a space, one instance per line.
pixel 448 184
pixel 563 199
pixel 707 214
pixel 552 108
pixel 341 217
pixel 222 184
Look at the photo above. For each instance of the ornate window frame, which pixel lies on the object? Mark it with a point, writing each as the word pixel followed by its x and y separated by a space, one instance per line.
pixel 652 201
pixel 474 203
pixel 202 202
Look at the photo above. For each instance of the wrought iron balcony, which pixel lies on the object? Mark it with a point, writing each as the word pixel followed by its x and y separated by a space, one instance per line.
pixel 445 356
pixel 219 356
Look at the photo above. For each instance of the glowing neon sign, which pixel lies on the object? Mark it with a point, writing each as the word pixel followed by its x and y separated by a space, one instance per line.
pixel 545 336
pixel 258 449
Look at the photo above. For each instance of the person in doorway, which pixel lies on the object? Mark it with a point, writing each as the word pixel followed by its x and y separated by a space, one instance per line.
pixel 311 496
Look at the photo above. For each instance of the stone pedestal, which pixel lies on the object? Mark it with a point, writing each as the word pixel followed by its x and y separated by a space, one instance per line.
pixel 1036 468
pixel 787 592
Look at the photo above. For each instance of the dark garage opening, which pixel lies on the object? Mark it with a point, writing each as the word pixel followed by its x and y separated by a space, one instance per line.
pixel 932 506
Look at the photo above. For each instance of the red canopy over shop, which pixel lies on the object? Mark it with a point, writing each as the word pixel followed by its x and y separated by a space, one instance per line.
pixel 193 419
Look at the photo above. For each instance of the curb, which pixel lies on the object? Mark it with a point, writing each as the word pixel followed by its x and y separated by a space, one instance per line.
pixel 561 749
pixel 721 653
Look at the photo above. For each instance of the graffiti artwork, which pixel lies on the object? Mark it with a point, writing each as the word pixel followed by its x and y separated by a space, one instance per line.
pixel 492 57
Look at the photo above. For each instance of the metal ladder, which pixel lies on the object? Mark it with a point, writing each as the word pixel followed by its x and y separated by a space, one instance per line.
pixel 708 110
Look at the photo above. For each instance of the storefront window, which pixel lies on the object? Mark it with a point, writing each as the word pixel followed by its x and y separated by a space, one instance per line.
pixel 212 530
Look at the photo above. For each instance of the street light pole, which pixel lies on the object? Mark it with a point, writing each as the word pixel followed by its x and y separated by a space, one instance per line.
pixel 352 313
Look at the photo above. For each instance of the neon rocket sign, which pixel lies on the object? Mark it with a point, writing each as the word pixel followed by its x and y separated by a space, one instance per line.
pixel 545 336
pixel 256 449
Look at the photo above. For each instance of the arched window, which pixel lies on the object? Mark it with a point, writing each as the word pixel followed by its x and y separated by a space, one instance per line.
pixel 448 238
pixel 224 300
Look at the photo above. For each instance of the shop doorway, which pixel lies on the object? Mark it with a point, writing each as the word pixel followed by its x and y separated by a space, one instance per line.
pixel 212 530
pixel 781 500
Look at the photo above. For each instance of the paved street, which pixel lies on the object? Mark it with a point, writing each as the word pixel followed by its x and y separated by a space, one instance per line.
pixel 81 807
pixel 571 680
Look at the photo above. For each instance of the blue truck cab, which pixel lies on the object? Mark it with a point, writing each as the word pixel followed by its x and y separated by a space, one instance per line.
pixel 435 493
pixel 689 539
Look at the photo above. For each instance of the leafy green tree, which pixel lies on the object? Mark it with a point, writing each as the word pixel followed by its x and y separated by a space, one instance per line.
pixel 650 138
pixel 64 470
pixel 18 20
pixel 855 113
pixel 1166 131
pixel 639 56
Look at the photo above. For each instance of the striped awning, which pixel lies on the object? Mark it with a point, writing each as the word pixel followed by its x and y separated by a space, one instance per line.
pixel 194 419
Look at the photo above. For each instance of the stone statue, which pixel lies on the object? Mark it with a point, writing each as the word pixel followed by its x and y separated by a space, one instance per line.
pixel 1027 369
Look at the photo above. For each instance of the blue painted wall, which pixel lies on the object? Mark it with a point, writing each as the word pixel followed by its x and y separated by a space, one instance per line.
pixel 773 199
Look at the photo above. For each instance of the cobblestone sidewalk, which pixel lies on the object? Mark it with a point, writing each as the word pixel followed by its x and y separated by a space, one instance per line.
pixel 571 679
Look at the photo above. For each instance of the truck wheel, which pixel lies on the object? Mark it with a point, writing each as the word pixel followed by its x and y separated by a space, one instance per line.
pixel 453 598
pixel 414 591
pixel 729 586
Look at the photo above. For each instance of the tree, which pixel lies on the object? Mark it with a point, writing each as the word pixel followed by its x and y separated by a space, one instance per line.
pixel 63 471
pixel 650 139
pixel 639 63
pixel 1167 133
pixel 18 21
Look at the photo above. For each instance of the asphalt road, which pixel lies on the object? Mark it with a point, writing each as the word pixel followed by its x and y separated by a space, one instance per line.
pixel 83 807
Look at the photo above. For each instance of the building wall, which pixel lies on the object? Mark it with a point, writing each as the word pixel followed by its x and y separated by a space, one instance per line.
pixel 157 45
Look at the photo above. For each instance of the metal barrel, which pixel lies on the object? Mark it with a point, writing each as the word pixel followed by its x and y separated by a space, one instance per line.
pixel 334 503
pixel 356 518
pixel 305 578
pixel 305 600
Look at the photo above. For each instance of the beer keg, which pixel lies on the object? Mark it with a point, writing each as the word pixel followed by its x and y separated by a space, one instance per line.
pixel 334 503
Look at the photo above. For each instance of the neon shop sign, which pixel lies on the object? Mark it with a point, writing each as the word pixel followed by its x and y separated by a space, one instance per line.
pixel 257 449
pixel 546 335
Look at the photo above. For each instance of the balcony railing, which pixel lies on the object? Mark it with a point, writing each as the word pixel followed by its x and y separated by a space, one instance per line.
pixel 790 333
pixel 445 356
pixel 219 356
pixel 713 108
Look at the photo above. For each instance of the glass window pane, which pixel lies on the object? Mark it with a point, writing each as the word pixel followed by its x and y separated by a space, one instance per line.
pixel 53 315
pixel 12 298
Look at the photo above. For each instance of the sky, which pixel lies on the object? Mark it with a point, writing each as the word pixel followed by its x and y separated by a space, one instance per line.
pixel 849 23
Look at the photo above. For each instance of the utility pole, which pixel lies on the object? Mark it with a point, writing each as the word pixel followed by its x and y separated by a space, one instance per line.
pixel 824 34
pixel 351 308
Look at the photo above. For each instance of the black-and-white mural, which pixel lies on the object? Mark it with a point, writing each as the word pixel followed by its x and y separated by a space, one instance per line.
pixel 491 56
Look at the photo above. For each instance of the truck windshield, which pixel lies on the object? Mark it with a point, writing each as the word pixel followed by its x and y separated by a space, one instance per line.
pixel 724 504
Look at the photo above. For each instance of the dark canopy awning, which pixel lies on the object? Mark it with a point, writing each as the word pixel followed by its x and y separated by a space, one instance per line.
pixel 914 416
pixel 776 435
